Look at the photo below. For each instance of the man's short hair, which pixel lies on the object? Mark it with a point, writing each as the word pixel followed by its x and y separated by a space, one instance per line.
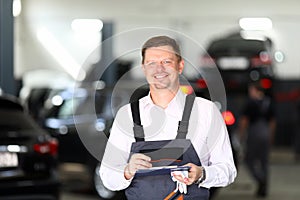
pixel 159 41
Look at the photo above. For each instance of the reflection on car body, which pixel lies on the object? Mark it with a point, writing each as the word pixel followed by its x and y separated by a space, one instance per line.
pixel 27 155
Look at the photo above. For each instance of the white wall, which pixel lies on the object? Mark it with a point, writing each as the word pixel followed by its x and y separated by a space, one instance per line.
pixel 197 19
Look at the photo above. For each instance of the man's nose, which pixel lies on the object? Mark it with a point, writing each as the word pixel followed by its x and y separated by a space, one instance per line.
pixel 160 66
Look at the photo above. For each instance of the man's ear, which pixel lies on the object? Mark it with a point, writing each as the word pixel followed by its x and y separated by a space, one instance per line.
pixel 181 66
pixel 143 67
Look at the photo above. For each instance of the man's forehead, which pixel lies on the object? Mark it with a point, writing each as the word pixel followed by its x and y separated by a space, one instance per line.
pixel 161 49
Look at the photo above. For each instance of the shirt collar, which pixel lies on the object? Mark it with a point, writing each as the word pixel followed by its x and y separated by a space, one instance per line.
pixel 174 108
pixel 176 105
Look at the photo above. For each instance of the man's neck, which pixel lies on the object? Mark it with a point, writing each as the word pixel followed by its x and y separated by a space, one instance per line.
pixel 162 97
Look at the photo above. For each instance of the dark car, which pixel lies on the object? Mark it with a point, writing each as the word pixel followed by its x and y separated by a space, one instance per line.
pixel 235 61
pixel 81 119
pixel 240 61
pixel 27 155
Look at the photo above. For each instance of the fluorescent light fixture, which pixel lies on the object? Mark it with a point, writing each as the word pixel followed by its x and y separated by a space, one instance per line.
pixel 17 7
pixel 87 25
pixel 60 54
pixel 259 23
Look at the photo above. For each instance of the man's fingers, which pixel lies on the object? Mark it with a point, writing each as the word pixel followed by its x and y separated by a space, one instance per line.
pixel 141 156
pixel 194 172
pixel 139 161
pixel 143 163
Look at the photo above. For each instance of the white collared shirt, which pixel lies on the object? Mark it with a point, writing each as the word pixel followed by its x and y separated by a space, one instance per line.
pixel 207 132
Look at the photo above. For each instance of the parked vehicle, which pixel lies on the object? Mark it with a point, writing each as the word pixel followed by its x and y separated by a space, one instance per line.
pixel 240 61
pixel 80 119
pixel 28 155
pixel 237 61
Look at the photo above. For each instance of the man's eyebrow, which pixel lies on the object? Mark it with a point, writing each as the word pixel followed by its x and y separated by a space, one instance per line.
pixel 167 58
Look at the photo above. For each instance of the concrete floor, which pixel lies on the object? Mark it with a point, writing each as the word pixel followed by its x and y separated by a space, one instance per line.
pixel 284 184
pixel 284 180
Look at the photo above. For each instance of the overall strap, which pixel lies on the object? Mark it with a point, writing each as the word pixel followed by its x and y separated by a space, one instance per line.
pixel 137 126
pixel 184 123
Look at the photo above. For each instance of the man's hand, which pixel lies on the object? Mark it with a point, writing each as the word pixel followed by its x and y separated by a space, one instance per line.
pixel 195 173
pixel 136 162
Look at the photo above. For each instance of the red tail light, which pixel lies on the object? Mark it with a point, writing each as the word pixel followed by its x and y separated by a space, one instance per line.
pixel 49 147
pixel 228 117
pixel 201 83
pixel 266 83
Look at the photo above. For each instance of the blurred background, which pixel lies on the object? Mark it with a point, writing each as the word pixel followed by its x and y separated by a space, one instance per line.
pixel 68 65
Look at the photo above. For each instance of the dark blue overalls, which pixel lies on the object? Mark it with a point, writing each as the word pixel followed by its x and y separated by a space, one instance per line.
pixel 178 152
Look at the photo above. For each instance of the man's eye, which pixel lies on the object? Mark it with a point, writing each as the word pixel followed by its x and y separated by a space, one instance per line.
pixel 152 64
pixel 167 62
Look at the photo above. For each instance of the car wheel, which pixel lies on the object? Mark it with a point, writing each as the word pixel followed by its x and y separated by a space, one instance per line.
pixel 102 191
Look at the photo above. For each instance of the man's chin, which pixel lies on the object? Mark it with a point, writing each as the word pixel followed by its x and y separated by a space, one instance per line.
pixel 160 86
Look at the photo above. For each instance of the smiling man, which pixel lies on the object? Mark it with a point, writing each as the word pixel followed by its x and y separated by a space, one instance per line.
pixel 162 68
pixel 170 127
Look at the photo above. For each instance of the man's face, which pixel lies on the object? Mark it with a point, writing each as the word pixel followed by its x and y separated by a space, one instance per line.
pixel 162 68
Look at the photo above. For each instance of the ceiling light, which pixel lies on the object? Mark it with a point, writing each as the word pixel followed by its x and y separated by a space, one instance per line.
pixel 17 7
pixel 255 23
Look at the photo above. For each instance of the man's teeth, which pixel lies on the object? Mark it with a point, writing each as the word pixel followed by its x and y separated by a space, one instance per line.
pixel 160 76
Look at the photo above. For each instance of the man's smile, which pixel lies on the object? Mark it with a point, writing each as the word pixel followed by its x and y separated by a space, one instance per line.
pixel 160 76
